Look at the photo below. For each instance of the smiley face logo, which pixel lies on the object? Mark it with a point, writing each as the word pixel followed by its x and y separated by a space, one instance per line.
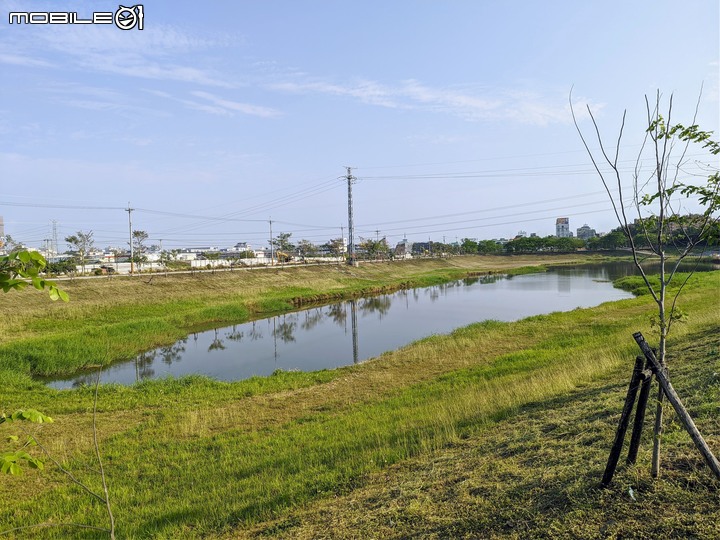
pixel 127 18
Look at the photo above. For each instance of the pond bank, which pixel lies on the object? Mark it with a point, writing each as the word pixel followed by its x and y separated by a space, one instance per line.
pixel 115 319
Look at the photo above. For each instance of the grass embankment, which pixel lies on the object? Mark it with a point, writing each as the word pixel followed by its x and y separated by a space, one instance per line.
pixel 498 429
pixel 116 318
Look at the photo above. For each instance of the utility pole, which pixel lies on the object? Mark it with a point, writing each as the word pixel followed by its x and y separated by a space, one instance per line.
pixel 351 244
pixel 342 241
pixel 132 253
pixel 55 242
pixel 272 251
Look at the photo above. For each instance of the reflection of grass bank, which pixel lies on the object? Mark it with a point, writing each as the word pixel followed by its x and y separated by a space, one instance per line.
pixel 230 457
pixel 116 318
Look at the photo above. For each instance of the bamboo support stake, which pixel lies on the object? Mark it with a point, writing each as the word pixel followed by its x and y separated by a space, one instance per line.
pixel 623 424
pixel 682 413
pixel 640 414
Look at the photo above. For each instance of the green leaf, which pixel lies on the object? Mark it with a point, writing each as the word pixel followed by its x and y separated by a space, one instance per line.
pixel 30 415
pixel 13 438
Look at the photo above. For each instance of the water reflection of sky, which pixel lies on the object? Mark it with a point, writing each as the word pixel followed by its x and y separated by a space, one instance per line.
pixel 343 333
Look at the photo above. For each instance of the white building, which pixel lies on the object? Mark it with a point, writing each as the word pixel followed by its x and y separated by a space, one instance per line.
pixel 562 227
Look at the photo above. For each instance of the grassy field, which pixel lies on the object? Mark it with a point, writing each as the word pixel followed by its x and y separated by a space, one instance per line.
pixel 496 430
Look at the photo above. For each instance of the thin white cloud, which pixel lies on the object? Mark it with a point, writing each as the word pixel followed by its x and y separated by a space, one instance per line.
pixel 23 60
pixel 218 106
pixel 99 99
pixel 148 54
pixel 235 106
pixel 472 103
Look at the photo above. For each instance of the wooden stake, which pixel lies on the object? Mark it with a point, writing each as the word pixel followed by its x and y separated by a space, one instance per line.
pixel 682 413
pixel 623 424
pixel 639 415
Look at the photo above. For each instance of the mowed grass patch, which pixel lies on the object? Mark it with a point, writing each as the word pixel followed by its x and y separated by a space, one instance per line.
pixel 537 473
pixel 224 472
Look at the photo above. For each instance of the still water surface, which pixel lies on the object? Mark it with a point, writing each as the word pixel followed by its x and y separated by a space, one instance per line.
pixel 352 331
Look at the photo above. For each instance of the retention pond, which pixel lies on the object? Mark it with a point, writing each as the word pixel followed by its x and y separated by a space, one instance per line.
pixel 348 332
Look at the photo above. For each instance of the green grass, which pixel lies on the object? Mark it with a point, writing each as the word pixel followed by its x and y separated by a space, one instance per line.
pixel 196 458
pixel 536 474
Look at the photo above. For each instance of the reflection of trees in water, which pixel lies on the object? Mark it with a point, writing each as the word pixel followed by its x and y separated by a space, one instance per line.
pixel 285 330
pixel 255 332
pixel 234 334
pixel 85 380
pixel 337 313
pixel 483 279
pixel 312 318
pixel 376 304
pixel 433 292
pixel 217 343
pixel 143 366
pixel 173 353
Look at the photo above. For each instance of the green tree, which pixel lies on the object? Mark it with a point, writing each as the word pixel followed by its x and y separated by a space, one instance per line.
pixel 62 266
pixel 306 248
pixel 139 248
pixel 375 249
pixel 336 246
pixel 488 246
pixel 469 246
pixel 82 244
pixel 169 259
pixel 656 196
pixel 567 244
pixel 282 243
pixel 613 240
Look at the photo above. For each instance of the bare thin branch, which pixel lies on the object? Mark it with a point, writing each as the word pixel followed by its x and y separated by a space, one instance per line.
pixel 99 459
pixel 63 469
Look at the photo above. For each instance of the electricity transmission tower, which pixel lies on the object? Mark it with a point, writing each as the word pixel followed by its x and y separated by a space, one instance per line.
pixel 351 243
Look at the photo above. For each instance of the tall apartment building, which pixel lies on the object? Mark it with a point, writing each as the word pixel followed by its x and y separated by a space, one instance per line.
pixel 562 227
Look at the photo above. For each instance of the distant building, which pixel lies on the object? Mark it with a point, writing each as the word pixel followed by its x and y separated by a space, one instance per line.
pixel 403 249
pixel 585 232
pixel 240 247
pixel 562 227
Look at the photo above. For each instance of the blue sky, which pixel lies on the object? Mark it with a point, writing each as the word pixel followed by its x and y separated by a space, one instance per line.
pixel 219 116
